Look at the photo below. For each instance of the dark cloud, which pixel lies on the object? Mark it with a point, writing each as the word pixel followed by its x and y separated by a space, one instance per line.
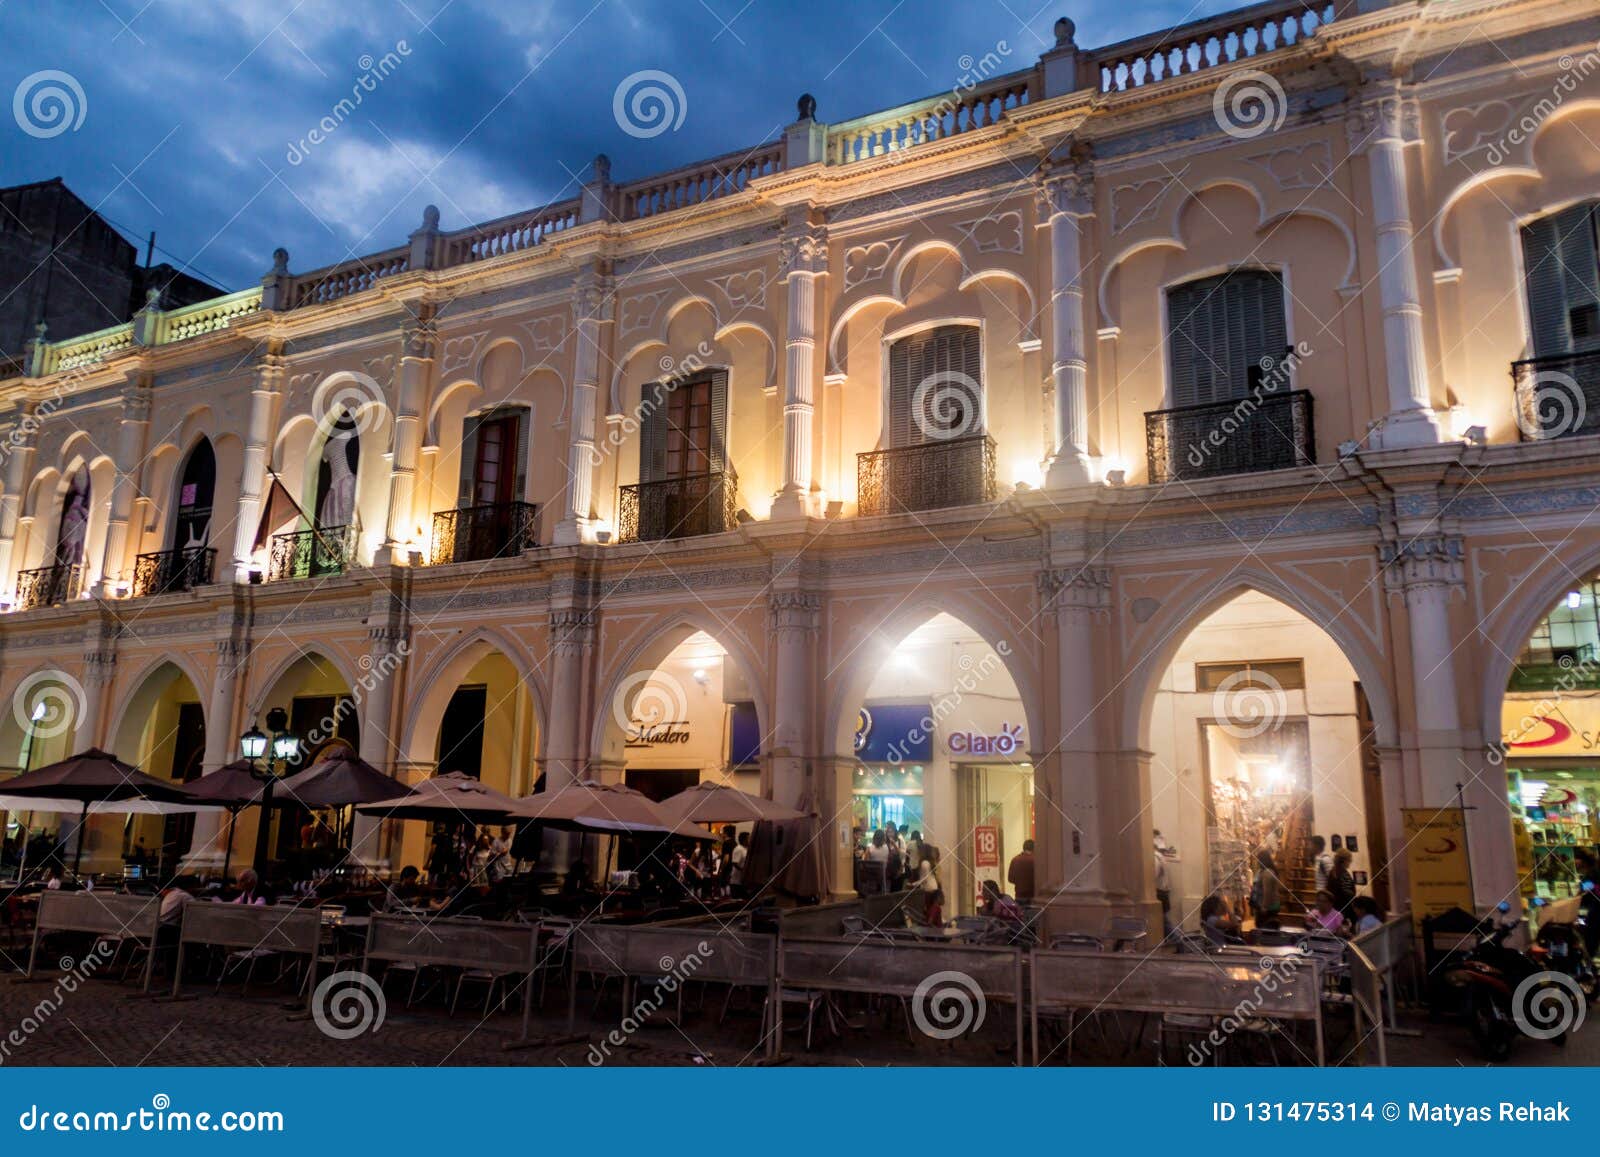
pixel 199 112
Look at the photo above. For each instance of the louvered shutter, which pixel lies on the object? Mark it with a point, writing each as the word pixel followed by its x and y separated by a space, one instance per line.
pixel 719 421
pixel 902 355
pixel 469 457
pixel 1580 264
pixel 1562 265
pixel 952 352
pixel 653 434
pixel 1221 330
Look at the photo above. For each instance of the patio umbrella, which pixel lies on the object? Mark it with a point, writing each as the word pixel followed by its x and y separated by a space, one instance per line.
pixel 341 778
pixel 235 787
pixel 450 798
pixel 95 777
pixel 588 806
pixel 719 803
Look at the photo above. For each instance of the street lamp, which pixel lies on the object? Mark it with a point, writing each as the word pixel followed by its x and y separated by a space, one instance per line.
pixel 279 749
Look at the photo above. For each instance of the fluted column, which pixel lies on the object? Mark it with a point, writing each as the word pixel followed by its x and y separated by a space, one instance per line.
pixel 594 315
pixel 208 848
pixel 132 436
pixel 804 262
pixel 419 345
pixel 1382 127
pixel 382 674
pixel 1067 200
pixel 793 618
pixel 571 639
pixel 20 442
pixel 257 446
pixel 99 670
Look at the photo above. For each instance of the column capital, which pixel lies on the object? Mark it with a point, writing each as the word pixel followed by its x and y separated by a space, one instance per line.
pixel 571 631
pixel 594 297
pixel 803 248
pixel 419 337
pixel 1066 189
pixel 136 397
pixel 793 613
pixel 1426 564
pixel 1077 590
pixel 99 667
pixel 1383 110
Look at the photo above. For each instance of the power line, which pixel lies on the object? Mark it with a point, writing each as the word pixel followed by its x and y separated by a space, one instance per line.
pixel 183 264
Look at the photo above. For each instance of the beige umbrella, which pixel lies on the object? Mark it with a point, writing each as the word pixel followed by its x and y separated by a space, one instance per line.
pixel 588 806
pixel 450 798
pixel 719 803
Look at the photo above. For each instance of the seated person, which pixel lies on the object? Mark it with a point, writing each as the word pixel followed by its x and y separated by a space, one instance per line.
pixel 998 905
pixel 1217 921
pixel 1366 915
pixel 1324 916
pixel 409 886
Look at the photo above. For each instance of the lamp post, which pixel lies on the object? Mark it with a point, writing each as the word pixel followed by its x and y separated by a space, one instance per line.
pixel 278 749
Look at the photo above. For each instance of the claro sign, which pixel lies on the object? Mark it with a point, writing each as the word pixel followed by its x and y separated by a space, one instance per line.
pixel 1008 741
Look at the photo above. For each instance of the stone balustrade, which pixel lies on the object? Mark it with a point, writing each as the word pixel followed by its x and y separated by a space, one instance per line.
pixel 1202 44
pixel 324 285
pixel 932 119
pixel 696 184
pixel 206 316
pixel 510 234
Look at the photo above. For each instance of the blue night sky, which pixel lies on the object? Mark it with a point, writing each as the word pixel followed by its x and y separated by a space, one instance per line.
pixel 192 108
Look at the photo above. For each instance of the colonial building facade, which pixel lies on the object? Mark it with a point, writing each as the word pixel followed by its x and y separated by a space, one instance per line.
pixel 1290 315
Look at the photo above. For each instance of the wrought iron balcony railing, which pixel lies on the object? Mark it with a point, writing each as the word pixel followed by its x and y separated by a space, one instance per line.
pixel 1557 397
pixel 678 507
pixel 167 571
pixel 317 553
pixel 929 476
pixel 1237 436
pixel 479 533
pixel 48 586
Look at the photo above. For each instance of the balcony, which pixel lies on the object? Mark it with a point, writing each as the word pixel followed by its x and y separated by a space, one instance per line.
pixel 47 586
pixel 1557 397
pixel 678 507
pixel 479 533
pixel 1238 436
pixel 930 476
pixel 169 571
pixel 317 553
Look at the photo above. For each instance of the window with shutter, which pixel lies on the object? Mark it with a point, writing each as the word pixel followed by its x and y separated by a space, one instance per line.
pixel 1226 334
pixel 1561 257
pixel 684 433
pixel 935 386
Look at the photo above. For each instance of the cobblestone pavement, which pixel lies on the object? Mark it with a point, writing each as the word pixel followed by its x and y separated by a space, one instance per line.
pixel 105 1022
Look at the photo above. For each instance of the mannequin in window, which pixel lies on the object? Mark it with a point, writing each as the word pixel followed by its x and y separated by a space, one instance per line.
pixel 74 524
pixel 339 501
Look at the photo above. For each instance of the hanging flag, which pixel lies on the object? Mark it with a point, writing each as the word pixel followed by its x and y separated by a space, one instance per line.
pixel 279 508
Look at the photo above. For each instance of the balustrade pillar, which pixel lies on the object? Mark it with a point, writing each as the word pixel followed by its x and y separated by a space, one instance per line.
pixel 419 346
pixel 1066 201
pixel 1383 127
pixel 803 263
pixel 19 472
pixel 132 439
pixel 594 301
pixel 257 446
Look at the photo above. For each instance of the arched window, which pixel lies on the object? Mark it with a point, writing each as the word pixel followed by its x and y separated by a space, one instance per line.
pixel 1226 335
pixel 73 531
pixel 935 386
pixel 1562 258
pixel 191 524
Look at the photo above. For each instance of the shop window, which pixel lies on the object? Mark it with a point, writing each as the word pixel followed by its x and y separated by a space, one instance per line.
pixel 1269 675
pixel 1226 335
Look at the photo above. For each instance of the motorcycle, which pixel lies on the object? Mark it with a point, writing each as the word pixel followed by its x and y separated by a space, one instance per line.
pixel 1506 991
pixel 1562 940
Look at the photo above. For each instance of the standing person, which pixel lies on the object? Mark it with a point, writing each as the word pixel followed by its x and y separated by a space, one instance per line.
pixel 1321 860
pixel 1020 873
pixel 1164 892
pixel 1342 882
pixel 740 853
pixel 932 893
pixel 1266 894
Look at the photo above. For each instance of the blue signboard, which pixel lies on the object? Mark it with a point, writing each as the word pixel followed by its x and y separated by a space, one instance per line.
pixel 744 736
pixel 895 733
